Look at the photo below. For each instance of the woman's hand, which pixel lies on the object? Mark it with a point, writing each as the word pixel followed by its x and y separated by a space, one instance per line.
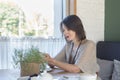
pixel 47 56
pixel 49 60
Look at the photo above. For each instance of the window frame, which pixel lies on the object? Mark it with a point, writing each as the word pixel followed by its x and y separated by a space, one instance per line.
pixel 62 8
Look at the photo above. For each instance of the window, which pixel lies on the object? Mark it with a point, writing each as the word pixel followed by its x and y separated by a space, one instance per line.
pixel 16 22
pixel 33 18
pixel 28 18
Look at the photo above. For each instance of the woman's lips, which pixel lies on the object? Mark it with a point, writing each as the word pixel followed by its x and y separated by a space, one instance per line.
pixel 67 37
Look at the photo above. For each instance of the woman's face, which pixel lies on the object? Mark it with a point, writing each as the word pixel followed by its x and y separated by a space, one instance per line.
pixel 70 35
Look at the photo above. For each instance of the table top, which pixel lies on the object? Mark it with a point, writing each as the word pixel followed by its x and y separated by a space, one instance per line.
pixel 7 74
pixel 59 72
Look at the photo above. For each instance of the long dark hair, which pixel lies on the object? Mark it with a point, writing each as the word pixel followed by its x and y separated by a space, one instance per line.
pixel 73 22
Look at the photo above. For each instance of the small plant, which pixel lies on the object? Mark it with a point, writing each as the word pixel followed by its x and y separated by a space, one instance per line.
pixel 31 60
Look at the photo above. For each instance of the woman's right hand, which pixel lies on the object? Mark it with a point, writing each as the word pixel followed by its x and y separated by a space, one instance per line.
pixel 47 55
pixel 49 60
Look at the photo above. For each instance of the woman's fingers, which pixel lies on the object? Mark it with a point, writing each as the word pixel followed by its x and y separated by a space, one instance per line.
pixel 49 59
pixel 47 55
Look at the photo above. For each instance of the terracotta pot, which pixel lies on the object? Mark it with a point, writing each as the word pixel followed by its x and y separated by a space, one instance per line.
pixel 28 69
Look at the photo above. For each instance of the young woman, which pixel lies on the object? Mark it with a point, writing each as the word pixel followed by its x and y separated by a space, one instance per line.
pixel 79 53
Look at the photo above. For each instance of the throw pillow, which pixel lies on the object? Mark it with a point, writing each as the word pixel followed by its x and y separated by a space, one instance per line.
pixel 106 69
pixel 116 71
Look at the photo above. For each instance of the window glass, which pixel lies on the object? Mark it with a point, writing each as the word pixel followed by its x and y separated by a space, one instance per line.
pixel 20 18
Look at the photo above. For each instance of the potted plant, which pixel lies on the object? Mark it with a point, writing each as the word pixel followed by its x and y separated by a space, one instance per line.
pixel 31 61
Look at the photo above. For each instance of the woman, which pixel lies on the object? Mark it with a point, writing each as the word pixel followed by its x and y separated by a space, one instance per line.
pixel 79 54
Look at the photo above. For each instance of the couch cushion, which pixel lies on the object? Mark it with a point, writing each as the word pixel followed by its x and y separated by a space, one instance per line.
pixel 106 69
pixel 116 70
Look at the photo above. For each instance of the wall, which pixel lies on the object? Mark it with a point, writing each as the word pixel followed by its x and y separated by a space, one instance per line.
pixel 91 13
pixel 112 20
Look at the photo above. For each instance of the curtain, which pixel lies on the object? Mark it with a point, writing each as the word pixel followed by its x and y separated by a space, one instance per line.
pixel 7 46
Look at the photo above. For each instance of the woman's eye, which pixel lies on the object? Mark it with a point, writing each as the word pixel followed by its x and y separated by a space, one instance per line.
pixel 67 29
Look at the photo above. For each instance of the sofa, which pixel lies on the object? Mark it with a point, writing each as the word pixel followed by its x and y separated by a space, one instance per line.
pixel 108 58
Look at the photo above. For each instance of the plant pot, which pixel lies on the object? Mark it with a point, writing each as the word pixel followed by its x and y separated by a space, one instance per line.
pixel 28 69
